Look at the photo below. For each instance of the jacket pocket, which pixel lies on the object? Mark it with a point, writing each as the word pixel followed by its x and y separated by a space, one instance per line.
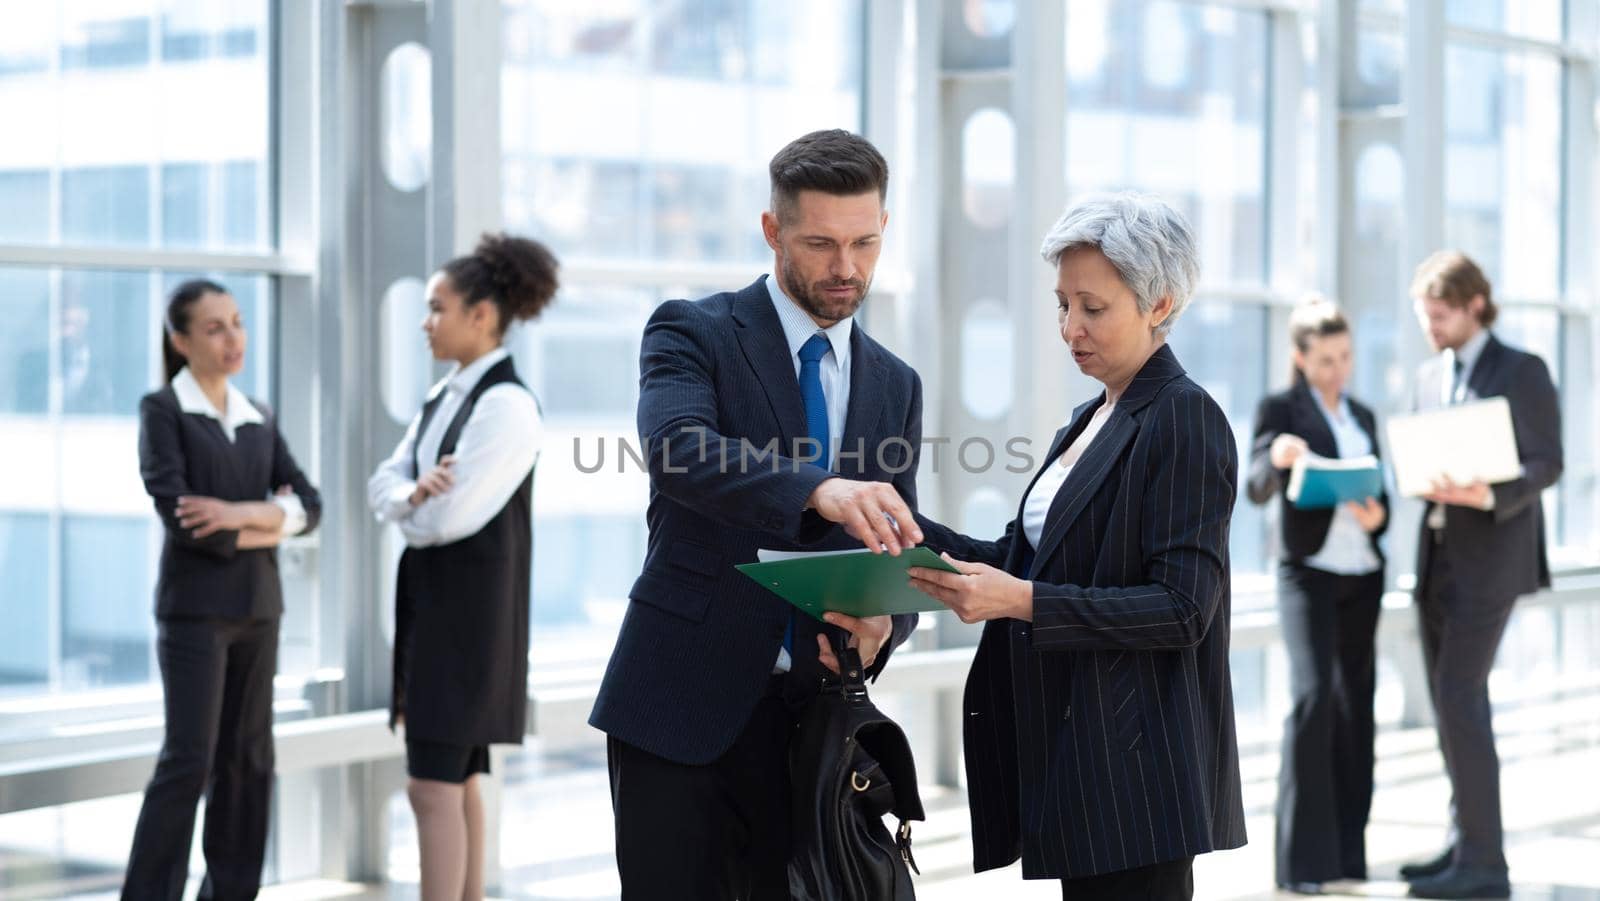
pixel 681 598
pixel 696 558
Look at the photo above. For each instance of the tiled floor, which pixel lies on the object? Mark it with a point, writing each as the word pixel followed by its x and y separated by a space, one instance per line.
pixel 556 833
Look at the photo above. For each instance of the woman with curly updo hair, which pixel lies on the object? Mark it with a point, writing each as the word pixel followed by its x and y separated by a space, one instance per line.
pixel 460 487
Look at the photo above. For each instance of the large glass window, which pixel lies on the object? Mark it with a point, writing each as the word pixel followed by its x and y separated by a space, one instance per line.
pixel 1540 19
pixel 698 96
pixel 131 112
pixel 1503 166
pixel 1171 98
pixel 139 124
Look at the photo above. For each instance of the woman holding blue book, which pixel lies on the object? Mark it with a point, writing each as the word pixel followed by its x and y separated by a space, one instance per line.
pixel 1330 586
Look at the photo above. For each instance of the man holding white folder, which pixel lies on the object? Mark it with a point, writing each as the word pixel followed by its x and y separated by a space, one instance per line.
pixel 1481 547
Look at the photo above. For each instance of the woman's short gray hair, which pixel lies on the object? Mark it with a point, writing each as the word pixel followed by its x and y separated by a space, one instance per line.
pixel 1149 243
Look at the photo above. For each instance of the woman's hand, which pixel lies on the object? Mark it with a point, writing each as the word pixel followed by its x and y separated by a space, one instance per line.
pixel 1369 513
pixel 1286 449
pixel 977 593
pixel 435 481
pixel 204 516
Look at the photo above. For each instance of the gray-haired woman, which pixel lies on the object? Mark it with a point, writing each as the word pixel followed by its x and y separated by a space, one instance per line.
pixel 1099 712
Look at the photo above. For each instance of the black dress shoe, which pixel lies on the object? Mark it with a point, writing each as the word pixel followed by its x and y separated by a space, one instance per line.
pixel 1431 867
pixel 1458 882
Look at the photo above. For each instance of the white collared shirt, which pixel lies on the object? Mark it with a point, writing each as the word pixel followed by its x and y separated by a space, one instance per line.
pixel 798 328
pixel 1454 390
pixel 238 411
pixel 1036 507
pixel 1347 551
pixel 497 448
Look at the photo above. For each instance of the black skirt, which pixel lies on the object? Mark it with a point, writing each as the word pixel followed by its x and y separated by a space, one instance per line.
pixel 442 762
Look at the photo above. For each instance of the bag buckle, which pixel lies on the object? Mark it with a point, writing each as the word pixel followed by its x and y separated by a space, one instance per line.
pixel 859 782
pixel 903 842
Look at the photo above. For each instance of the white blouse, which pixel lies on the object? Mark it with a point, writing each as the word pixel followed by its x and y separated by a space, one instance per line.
pixel 496 449
pixel 1037 505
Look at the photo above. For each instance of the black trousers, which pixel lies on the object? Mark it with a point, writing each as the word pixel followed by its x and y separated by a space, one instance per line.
pixel 216 678
pixel 1170 881
pixel 718 832
pixel 1461 631
pixel 1325 776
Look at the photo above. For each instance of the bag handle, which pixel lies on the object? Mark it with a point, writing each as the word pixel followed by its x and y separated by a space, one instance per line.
pixel 852 675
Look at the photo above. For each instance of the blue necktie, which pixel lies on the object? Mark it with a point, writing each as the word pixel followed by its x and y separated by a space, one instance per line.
pixel 811 354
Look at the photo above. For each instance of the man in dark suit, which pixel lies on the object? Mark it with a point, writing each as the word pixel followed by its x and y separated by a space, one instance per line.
pixel 767 415
pixel 1481 547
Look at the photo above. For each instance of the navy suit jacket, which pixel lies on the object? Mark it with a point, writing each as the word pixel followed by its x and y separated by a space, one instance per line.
pixel 722 422
pixel 1100 736
pixel 1500 553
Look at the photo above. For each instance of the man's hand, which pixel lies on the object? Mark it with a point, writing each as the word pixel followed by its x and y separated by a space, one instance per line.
pixel 978 593
pixel 867 635
pixel 871 512
pixel 435 481
pixel 1369 513
pixel 1475 495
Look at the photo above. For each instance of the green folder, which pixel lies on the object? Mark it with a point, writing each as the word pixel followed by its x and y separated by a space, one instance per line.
pixel 858 583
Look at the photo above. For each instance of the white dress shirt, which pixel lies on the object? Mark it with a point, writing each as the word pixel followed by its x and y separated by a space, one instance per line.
pixel 1347 551
pixel 497 447
pixel 238 411
pixel 1036 507
pixel 834 370
pixel 1453 390
pixel 798 328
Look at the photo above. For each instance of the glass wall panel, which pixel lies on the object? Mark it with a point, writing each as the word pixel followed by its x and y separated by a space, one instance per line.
pixel 1170 97
pixel 1538 19
pixel 698 97
pixel 137 112
pixel 1503 167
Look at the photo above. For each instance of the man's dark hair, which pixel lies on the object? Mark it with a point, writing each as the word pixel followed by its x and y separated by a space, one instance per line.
pixel 833 161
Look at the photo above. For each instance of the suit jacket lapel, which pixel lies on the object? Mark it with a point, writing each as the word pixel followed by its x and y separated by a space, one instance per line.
pixel 1319 437
pixel 1102 453
pixel 1486 371
pixel 761 338
pixel 868 375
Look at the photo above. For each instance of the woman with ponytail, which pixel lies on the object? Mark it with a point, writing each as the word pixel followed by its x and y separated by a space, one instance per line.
pixel 1330 587
pixel 459 486
pixel 227 491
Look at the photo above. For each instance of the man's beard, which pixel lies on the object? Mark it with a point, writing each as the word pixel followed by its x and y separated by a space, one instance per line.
pixel 812 299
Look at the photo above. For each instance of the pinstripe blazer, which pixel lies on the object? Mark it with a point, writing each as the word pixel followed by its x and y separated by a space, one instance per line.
pixel 717 388
pixel 1100 736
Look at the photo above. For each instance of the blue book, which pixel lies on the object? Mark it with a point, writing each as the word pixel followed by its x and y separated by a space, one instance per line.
pixel 1318 483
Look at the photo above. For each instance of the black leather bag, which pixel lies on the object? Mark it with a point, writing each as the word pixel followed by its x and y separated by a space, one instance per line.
pixel 849 766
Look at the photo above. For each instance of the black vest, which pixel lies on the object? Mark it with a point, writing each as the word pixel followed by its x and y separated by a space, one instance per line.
pixel 461 614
